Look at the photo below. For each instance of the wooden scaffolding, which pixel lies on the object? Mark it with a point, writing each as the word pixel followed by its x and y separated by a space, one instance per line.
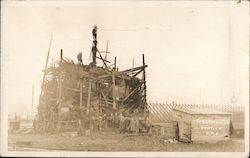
pixel 72 92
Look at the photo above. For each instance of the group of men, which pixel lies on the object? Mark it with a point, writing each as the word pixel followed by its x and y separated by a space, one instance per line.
pixel 114 120
pixel 93 49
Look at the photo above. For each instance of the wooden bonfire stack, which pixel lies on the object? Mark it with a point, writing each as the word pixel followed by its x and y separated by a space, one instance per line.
pixel 72 92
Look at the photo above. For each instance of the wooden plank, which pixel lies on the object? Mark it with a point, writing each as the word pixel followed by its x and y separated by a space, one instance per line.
pixel 89 93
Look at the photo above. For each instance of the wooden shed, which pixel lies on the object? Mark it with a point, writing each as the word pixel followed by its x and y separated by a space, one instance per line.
pixel 202 125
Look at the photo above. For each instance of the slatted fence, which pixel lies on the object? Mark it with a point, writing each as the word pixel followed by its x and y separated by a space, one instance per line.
pixel 162 112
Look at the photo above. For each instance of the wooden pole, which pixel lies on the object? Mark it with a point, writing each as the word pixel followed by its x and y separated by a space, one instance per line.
pixel 60 90
pixel 80 94
pixel 61 55
pixel 107 47
pixel 46 64
pixel 113 90
pixel 47 60
pixel 133 64
pixel 102 59
pixel 144 78
pixel 89 93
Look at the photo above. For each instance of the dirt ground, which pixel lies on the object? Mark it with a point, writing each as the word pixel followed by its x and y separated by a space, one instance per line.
pixel 114 141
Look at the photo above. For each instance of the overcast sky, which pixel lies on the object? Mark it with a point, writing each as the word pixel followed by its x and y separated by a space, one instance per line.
pixel 196 52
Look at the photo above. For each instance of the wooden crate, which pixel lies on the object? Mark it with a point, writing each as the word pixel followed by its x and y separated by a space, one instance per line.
pixel 167 130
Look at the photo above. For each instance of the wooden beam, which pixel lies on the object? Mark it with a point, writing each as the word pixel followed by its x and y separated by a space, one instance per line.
pixel 105 99
pixel 137 73
pixel 103 51
pixel 144 79
pixel 46 64
pixel 60 90
pixel 89 93
pixel 117 74
pixel 123 76
pixel 61 56
pixel 103 59
pixel 80 94
pixel 113 92
pixel 134 69
pixel 131 93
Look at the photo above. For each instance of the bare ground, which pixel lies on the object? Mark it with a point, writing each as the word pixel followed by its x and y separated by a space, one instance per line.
pixel 113 141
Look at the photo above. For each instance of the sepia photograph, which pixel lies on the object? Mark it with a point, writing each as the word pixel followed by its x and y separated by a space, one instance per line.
pixel 125 78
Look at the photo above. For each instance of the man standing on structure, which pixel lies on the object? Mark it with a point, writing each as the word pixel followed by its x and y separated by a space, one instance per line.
pixel 94 46
pixel 79 58
pixel 94 32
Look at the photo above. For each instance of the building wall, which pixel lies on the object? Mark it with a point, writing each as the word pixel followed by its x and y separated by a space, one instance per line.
pixel 206 128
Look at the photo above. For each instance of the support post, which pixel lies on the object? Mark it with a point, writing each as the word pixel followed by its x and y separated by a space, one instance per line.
pixel 59 100
pixel 60 90
pixel 61 56
pixel 115 64
pixel 107 46
pixel 89 93
pixel 144 79
pixel 80 94
pixel 113 90
pixel 44 75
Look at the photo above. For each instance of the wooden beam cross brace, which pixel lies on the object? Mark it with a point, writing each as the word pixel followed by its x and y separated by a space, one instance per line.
pixel 131 93
pixel 134 69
